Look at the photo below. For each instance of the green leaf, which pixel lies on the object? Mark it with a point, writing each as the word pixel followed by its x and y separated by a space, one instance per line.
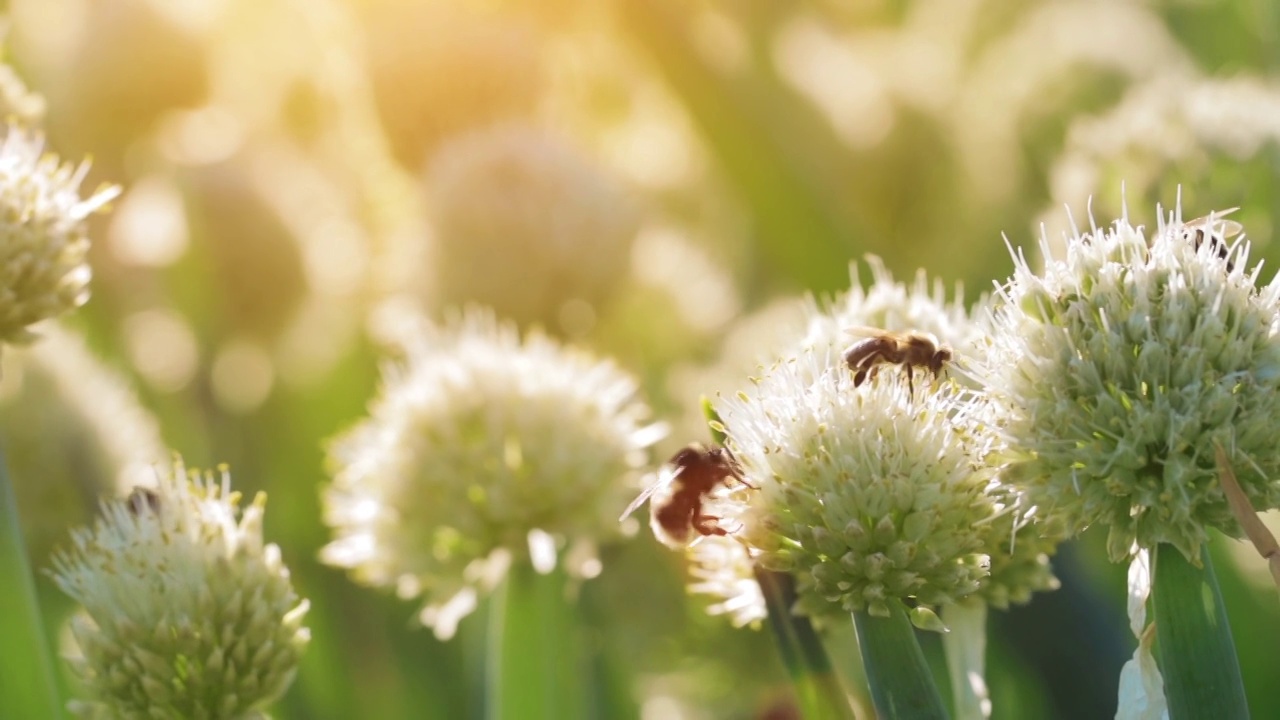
pixel 27 685
pixel 901 685
pixel 1194 643
pixel 533 662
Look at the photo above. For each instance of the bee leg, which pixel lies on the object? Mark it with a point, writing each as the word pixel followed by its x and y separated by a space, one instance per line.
pixel 706 525
pixel 859 377
pixel 911 386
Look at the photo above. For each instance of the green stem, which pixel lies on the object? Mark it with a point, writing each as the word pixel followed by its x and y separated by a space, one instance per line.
pixel 27 685
pixel 1196 651
pixel 532 661
pixel 817 690
pixel 901 685
pixel 965 645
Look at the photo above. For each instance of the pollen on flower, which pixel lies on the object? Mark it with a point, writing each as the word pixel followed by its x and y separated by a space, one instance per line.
pixel 481 445
pixel 176 587
pixel 1119 367
pixel 43 240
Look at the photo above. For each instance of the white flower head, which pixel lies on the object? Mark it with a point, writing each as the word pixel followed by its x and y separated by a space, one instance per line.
pixel 1118 368
pixel 813 393
pixel 479 449
pixel 867 495
pixel 43 234
pixel 186 612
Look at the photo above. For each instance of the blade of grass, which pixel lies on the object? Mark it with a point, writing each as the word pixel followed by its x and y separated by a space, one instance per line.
pixel 532 662
pixel 901 685
pixel 27 685
pixel 818 692
pixel 1197 653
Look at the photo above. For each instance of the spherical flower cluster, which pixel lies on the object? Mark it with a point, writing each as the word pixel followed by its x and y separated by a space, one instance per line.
pixel 1018 548
pixel 186 613
pixel 72 431
pixel 526 223
pixel 867 495
pixel 43 239
pixel 477 451
pixel 1120 367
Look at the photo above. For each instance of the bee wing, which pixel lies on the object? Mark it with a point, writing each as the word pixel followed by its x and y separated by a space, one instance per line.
pixel 1217 222
pixel 666 476
pixel 863 331
pixel 1228 228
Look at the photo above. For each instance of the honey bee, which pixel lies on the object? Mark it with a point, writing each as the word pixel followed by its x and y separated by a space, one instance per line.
pixel 908 349
pixel 1217 229
pixel 684 482
pixel 142 499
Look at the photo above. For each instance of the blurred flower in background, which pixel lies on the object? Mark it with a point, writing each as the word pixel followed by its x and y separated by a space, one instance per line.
pixel 484 449
pixel 441 69
pixel 110 71
pixel 1212 142
pixel 527 224
pixel 17 102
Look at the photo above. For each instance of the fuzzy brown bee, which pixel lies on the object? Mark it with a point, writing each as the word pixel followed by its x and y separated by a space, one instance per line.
pixel 682 486
pixel 1216 229
pixel 909 350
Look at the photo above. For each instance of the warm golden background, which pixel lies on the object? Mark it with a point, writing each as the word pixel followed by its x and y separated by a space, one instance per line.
pixel 649 178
